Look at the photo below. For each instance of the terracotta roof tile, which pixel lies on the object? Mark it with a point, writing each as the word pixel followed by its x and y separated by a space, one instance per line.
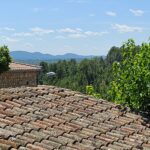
pixel 50 118
pixel 17 66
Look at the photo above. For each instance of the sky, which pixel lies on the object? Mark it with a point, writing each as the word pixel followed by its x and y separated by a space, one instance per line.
pixel 87 27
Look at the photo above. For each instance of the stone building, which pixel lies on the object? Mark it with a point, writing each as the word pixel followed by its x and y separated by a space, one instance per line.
pixel 20 75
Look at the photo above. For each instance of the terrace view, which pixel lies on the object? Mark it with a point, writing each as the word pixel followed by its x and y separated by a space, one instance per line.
pixel 74 75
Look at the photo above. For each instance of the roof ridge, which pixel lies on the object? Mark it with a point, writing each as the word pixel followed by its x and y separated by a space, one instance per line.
pixel 27 64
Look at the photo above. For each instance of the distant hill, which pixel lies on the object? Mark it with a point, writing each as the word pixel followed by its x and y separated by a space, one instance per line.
pixel 36 57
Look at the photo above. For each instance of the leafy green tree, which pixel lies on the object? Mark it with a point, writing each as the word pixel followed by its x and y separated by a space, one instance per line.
pixel 131 83
pixel 5 58
pixel 114 54
pixel 76 75
pixel 44 66
pixel 90 91
pixel 42 77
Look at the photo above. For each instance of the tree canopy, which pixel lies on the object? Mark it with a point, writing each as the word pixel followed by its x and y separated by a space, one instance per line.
pixel 123 76
pixel 96 72
pixel 5 59
pixel 131 77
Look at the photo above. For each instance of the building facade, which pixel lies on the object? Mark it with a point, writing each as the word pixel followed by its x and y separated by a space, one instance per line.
pixel 20 75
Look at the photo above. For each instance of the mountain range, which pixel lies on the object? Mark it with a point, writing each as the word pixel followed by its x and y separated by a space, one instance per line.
pixel 23 55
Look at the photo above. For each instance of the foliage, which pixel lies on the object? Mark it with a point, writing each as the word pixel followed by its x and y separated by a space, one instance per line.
pixel 125 73
pixel 131 77
pixel 75 75
pixel 114 55
pixel 44 66
pixel 5 58
pixel 90 91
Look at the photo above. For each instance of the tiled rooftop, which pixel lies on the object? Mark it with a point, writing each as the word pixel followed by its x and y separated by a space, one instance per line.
pixel 48 118
pixel 17 66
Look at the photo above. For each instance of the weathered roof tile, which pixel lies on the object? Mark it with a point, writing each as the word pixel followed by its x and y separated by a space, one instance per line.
pixel 18 66
pixel 47 117
pixel 5 146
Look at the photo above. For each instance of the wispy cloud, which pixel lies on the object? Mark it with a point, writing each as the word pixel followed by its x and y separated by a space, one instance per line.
pixel 111 13
pixel 91 33
pixel 69 30
pixel 41 31
pixel 7 29
pixel 59 33
pixel 136 12
pixel 22 34
pixel 36 31
pixel 9 39
pixel 76 36
pixel 60 37
pixel 122 28
pixel 79 33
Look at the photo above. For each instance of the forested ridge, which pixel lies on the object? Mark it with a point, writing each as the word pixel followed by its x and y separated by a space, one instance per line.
pixel 123 76
pixel 77 75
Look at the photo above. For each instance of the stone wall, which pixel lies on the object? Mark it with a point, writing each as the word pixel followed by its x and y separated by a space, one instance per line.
pixel 18 78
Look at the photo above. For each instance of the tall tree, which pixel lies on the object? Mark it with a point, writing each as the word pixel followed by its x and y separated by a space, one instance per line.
pixel 131 84
pixel 5 59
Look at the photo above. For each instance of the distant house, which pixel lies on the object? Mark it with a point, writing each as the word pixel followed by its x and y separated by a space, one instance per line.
pixel 20 75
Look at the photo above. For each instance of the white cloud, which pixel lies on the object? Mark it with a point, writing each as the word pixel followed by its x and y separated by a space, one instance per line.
pixel 91 33
pixel 7 29
pixel 60 37
pixel 137 12
pixel 23 34
pixel 111 13
pixel 78 35
pixel 69 30
pixel 9 39
pixel 87 34
pixel 60 33
pixel 122 28
pixel 40 31
pixel 34 32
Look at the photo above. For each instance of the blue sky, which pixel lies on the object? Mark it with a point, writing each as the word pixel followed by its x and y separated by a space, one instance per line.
pixel 72 26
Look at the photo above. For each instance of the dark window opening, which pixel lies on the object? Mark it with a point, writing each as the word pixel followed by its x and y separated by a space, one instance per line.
pixel 27 83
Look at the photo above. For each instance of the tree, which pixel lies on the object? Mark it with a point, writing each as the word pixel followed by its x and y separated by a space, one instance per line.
pixel 5 58
pixel 76 75
pixel 114 54
pixel 90 91
pixel 44 66
pixel 131 83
